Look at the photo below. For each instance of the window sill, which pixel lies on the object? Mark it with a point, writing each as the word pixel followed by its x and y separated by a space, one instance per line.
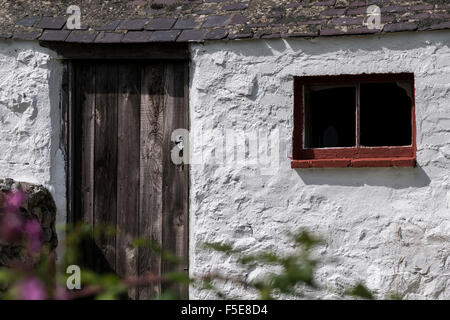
pixel 355 163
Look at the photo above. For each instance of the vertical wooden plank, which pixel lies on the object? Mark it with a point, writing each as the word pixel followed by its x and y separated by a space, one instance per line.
pixel 184 290
pixel 151 167
pixel 85 75
pixel 76 123
pixel 128 111
pixel 87 115
pixel 105 162
pixel 67 108
pixel 175 177
pixel 122 164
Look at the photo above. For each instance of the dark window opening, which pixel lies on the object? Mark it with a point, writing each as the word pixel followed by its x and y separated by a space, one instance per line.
pixel 384 111
pixel 365 120
pixel 385 114
pixel 330 116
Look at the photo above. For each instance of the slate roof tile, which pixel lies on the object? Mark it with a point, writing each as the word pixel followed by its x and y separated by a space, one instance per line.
pixel 81 36
pixel 443 25
pixel 186 24
pixel 421 7
pixel 132 24
pixel 109 37
pixel 216 21
pixel 192 35
pixel 312 22
pixel 108 27
pixel 31 35
pixel 216 34
pixel 137 36
pixel 300 34
pixel 271 36
pixel 361 30
pixel 331 32
pixel 436 26
pixel 206 11
pixel 325 3
pixel 28 21
pixel 347 21
pixel 54 35
pixel 160 24
pixel 393 9
pixel 333 12
pixel 419 16
pixel 235 6
pixel 360 10
pixel 240 35
pixel 197 20
pixel 238 19
pixel 165 35
pixel 400 27
pixel 51 23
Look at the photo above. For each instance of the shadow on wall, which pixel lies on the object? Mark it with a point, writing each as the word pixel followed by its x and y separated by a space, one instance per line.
pixel 352 43
pixel 57 182
pixel 397 178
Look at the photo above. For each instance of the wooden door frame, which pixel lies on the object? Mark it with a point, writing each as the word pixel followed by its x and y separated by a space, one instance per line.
pixel 72 52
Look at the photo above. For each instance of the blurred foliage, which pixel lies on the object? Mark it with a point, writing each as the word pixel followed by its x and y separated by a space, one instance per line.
pixel 360 291
pixel 296 268
pixel 38 276
pixel 295 271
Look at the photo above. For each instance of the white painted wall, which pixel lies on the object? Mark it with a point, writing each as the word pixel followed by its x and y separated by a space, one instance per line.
pixel 389 227
pixel 30 118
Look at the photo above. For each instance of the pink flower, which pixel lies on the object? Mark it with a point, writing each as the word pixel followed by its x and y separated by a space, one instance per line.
pixel 34 234
pixel 11 223
pixel 32 289
pixel 11 226
pixel 14 228
pixel 14 200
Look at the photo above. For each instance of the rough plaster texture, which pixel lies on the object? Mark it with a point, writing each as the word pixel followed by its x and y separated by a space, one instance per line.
pixel 389 227
pixel 30 118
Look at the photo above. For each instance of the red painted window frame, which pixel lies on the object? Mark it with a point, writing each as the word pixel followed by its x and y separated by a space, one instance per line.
pixel 402 156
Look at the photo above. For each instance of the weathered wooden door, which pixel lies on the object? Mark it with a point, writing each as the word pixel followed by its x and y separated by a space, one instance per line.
pixel 124 113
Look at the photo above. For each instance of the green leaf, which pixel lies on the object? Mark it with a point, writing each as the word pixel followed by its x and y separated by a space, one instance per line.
pixel 360 291
pixel 395 296
pixel 304 238
pixel 219 247
pixel 178 277
pixel 111 293
pixel 6 276
pixel 167 295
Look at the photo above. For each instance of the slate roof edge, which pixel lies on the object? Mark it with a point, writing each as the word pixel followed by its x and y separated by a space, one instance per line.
pixel 223 20
pixel 96 37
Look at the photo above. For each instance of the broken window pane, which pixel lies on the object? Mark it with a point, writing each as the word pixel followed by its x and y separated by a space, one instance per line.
pixel 385 114
pixel 330 116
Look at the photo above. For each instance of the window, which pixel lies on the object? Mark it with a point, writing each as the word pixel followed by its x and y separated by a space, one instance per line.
pixel 354 121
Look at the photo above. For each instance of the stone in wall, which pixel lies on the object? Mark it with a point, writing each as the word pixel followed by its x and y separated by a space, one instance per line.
pixel 39 205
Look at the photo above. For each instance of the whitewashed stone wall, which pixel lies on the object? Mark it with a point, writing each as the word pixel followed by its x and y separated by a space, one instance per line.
pixel 388 227
pixel 30 118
